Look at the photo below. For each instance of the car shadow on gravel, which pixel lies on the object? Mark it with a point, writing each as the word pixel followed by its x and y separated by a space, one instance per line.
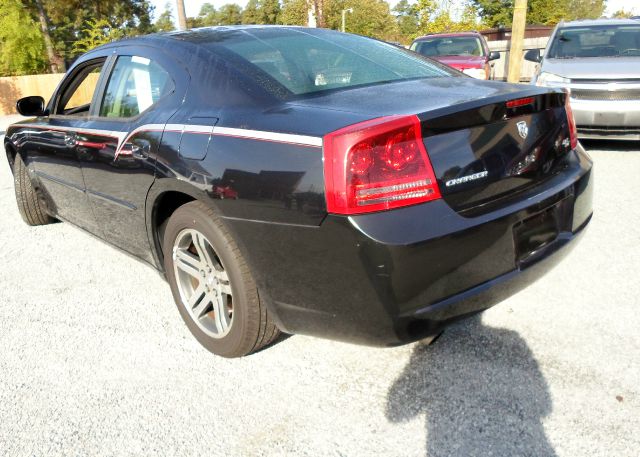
pixel 481 391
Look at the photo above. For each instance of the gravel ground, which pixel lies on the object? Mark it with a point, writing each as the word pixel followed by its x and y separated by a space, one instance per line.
pixel 94 360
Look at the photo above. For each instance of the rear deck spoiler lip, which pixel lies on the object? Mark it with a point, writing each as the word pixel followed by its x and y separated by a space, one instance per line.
pixel 527 91
pixel 475 113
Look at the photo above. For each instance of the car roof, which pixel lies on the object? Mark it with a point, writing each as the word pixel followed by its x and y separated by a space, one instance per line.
pixel 193 36
pixel 211 33
pixel 598 22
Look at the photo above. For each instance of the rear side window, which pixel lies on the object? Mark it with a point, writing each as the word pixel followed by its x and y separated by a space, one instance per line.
pixel 134 85
pixel 306 63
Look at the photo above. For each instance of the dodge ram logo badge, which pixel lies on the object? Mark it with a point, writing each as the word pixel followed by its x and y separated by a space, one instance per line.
pixel 523 130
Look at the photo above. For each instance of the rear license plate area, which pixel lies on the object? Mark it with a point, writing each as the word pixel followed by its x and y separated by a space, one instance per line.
pixel 535 232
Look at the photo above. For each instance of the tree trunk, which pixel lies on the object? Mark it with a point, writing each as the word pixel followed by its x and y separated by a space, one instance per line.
pixel 55 61
pixel 315 13
pixel 320 14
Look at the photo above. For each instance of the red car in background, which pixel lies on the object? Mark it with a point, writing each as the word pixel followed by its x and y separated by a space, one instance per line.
pixel 464 51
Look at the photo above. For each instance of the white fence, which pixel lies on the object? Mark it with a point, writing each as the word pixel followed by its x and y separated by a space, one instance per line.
pixel 528 68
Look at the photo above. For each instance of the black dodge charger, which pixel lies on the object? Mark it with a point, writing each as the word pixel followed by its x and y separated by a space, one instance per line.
pixel 306 181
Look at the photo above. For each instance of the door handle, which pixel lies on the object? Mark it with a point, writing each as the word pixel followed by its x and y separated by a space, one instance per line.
pixel 70 139
pixel 138 149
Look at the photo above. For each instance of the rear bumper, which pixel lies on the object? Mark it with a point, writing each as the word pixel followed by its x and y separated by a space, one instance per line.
pixel 393 277
pixel 613 120
pixel 431 319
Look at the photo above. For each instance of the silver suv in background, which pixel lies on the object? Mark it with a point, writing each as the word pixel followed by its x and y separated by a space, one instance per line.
pixel 599 62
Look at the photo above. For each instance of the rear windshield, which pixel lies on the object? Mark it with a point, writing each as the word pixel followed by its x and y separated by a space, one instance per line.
pixel 449 46
pixel 306 62
pixel 596 41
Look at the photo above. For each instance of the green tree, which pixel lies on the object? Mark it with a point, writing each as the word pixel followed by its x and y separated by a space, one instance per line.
pixel 22 48
pixel 194 22
pixel 230 14
pixel 60 24
pixel 622 14
pixel 251 13
pixel 407 19
pixel 586 9
pixel 165 23
pixel 294 12
pixel 67 19
pixel 435 17
pixel 369 17
pixel 495 13
pixel 96 33
pixel 469 17
pixel 208 15
pixel 270 11
pixel 549 12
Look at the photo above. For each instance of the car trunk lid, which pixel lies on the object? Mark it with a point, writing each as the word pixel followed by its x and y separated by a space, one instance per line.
pixel 487 149
pixel 488 154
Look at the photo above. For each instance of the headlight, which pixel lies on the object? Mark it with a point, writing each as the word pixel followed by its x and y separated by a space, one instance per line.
pixel 550 79
pixel 478 73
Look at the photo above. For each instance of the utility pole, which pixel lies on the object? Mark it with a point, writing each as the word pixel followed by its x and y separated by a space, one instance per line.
pixel 344 18
pixel 517 41
pixel 182 15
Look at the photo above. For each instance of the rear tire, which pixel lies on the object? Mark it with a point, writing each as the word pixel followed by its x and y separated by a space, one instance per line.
pixel 212 285
pixel 32 209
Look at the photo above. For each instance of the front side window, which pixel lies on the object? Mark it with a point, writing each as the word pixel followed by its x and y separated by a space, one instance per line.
pixel 449 46
pixel 135 84
pixel 596 41
pixel 75 99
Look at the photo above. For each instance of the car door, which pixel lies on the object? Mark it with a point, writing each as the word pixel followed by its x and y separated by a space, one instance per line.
pixel 54 144
pixel 143 89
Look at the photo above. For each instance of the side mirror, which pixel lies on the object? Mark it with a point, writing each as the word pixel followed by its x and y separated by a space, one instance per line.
pixel 494 55
pixel 31 106
pixel 533 55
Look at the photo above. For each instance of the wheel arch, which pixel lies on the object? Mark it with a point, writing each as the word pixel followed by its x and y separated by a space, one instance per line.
pixel 167 195
pixel 11 152
pixel 164 197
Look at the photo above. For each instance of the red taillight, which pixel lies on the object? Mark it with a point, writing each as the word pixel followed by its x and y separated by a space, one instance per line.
pixel 377 165
pixel 573 130
pixel 520 102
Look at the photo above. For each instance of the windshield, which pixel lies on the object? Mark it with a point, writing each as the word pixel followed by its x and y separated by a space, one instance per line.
pixel 449 46
pixel 306 62
pixel 596 41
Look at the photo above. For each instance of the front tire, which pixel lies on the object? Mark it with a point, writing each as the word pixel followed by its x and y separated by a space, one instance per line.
pixel 32 209
pixel 212 285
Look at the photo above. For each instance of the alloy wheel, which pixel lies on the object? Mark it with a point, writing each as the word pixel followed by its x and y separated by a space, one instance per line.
pixel 203 283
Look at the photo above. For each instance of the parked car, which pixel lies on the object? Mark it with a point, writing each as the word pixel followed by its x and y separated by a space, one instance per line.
pixel 599 61
pixel 377 195
pixel 467 52
pixel 223 192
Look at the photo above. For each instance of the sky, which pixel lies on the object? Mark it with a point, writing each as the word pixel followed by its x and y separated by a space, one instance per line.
pixel 193 6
